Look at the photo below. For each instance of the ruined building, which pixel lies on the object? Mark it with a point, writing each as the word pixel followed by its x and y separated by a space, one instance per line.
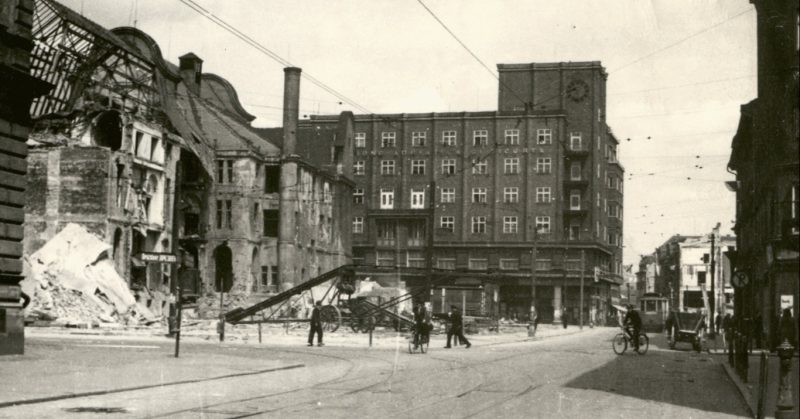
pixel 157 157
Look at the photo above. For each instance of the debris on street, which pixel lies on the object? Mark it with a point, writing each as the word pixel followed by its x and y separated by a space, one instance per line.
pixel 73 281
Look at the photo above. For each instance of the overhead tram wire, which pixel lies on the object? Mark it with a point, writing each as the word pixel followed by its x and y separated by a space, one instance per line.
pixel 271 54
pixel 680 41
pixel 472 53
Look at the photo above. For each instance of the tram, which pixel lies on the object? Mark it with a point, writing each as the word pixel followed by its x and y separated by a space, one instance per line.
pixel 654 310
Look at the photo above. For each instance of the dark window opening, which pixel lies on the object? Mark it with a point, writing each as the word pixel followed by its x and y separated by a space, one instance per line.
pixel 338 151
pixel 271 218
pixel 191 224
pixel 272 177
pixel 107 130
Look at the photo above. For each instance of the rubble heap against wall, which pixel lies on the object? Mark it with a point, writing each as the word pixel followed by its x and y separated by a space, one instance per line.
pixel 71 279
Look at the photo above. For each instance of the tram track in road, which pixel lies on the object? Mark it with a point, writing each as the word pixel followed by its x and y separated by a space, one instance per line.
pixel 482 386
pixel 335 380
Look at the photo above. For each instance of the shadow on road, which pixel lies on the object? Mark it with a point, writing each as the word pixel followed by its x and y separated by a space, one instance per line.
pixel 681 377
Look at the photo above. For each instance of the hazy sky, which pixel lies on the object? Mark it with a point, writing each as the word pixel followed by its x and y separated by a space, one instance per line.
pixel 678 72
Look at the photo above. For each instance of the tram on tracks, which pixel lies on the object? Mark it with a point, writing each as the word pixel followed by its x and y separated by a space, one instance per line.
pixel 654 311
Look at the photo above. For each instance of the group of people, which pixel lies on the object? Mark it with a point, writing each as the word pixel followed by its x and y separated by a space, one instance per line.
pixel 422 327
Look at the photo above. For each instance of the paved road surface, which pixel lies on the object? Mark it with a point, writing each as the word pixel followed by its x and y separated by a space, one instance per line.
pixel 569 376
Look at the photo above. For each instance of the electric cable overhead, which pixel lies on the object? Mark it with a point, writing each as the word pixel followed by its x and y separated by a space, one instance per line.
pixel 470 52
pixel 680 41
pixel 271 54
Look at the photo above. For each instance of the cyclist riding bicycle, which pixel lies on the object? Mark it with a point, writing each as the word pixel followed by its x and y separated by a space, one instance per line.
pixel 634 323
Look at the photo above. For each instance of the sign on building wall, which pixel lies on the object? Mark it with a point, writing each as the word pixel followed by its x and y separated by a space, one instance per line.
pixel 159 257
pixel 787 301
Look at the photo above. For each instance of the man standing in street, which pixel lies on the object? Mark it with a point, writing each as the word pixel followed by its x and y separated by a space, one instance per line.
pixel 419 323
pixel 316 325
pixel 457 327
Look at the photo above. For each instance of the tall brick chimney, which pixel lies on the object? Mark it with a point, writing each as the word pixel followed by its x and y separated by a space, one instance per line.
pixel 191 67
pixel 291 108
pixel 288 259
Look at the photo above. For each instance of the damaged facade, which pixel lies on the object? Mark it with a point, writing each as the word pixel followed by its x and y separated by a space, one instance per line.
pixel 154 157
pixel 18 89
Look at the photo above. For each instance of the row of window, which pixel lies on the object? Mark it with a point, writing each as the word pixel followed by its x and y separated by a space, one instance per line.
pixel 226 175
pixel 478 224
pixel 511 165
pixel 416 259
pixel 480 137
pixel 544 194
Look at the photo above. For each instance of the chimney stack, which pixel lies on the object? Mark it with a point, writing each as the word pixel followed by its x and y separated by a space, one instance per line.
pixel 291 108
pixel 191 67
pixel 288 258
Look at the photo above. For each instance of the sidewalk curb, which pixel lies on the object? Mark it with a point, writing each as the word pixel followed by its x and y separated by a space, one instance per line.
pixel 742 387
pixel 143 387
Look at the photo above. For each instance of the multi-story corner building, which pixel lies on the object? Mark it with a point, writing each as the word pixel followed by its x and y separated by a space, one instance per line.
pixel 765 158
pixel 680 269
pixel 156 157
pixel 17 91
pixel 540 173
pixel 695 275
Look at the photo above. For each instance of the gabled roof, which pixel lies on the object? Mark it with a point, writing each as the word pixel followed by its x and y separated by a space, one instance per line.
pixel 219 130
pixel 220 91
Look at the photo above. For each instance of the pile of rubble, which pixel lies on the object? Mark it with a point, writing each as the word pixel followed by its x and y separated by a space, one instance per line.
pixel 71 280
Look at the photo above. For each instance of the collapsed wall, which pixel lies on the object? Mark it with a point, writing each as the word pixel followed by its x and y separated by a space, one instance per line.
pixel 71 279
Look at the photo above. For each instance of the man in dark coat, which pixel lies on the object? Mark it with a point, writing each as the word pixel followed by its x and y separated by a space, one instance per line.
pixel 456 327
pixel 419 323
pixel 316 325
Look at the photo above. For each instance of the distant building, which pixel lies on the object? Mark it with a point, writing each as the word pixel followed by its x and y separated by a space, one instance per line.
pixel 646 275
pixel 765 156
pixel 157 157
pixel 541 170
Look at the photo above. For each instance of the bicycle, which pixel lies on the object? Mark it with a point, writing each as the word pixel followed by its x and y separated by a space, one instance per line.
pixel 620 342
pixel 424 340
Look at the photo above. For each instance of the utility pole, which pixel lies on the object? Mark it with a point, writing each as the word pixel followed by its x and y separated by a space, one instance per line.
pixel 583 266
pixel 429 247
pixel 531 321
pixel 712 308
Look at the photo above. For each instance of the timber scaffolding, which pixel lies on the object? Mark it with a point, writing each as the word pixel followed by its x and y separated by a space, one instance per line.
pixel 437 278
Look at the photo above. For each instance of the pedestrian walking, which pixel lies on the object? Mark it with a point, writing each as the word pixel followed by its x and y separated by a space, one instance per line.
pixel 727 335
pixel 316 325
pixel 564 318
pixel 456 327
pixel 787 328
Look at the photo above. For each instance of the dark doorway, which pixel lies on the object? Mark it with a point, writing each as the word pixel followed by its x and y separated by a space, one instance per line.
pixel 223 278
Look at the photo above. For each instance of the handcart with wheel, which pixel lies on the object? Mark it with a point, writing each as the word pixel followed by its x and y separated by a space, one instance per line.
pixel 686 327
